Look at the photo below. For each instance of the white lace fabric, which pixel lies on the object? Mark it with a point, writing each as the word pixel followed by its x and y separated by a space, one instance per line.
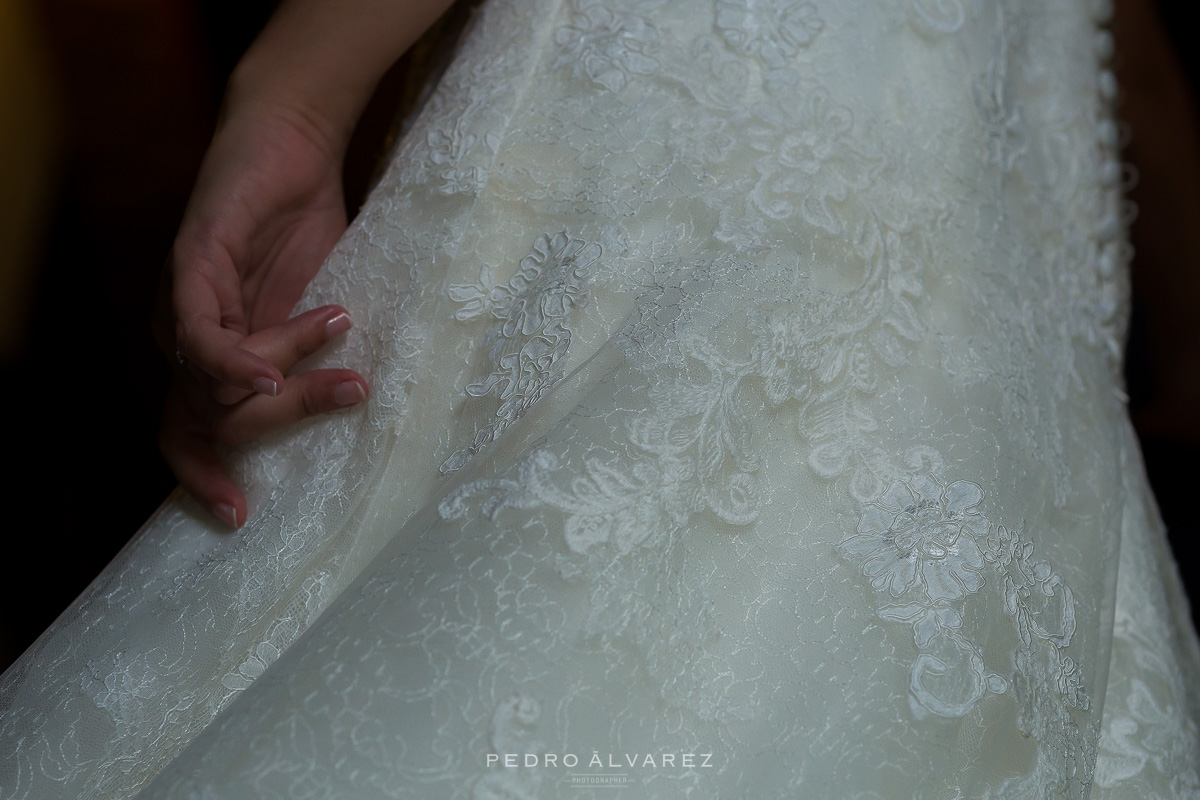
pixel 746 382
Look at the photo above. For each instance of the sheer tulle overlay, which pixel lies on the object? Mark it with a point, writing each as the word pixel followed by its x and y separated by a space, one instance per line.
pixel 746 422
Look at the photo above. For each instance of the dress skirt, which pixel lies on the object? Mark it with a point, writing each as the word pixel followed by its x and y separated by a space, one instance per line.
pixel 746 422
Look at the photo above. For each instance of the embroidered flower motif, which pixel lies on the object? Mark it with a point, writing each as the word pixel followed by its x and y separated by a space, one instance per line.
pixel 531 338
pixel 927 535
pixel 606 44
pixel 773 30
pixel 1142 734
pixel 792 351
pixel 922 534
pixel 131 683
pixel 808 160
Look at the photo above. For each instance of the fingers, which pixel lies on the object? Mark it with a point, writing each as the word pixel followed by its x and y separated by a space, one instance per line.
pixel 308 394
pixel 288 343
pixel 187 447
pixel 209 331
pixel 190 431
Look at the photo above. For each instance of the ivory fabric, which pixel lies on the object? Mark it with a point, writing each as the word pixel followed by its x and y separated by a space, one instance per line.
pixel 746 385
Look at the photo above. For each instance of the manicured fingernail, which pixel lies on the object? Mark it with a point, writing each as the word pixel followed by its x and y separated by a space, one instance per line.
pixel 347 393
pixel 265 386
pixel 226 513
pixel 338 325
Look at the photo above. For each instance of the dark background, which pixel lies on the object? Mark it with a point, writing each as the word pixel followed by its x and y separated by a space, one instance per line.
pixel 113 106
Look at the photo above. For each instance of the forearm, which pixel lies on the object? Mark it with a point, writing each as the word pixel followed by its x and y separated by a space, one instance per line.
pixel 320 60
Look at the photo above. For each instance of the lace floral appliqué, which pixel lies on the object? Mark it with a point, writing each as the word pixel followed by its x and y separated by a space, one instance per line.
pixel 607 43
pixel 808 160
pixel 773 30
pixel 927 547
pixel 532 337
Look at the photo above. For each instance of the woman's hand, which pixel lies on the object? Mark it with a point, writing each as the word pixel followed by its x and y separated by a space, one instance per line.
pixel 266 210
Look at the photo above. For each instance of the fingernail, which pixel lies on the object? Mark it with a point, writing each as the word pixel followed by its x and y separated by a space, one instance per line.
pixel 226 513
pixel 347 393
pixel 265 386
pixel 338 325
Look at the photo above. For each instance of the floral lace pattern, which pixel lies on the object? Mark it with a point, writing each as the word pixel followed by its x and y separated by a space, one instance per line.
pixel 924 546
pixel 608 42
pixel 525 348
pixel 807 161
pixel 773 30
pixel 745 381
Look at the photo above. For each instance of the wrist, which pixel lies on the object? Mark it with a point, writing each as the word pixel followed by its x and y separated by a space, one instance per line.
pixel 318 61
pixel 262 88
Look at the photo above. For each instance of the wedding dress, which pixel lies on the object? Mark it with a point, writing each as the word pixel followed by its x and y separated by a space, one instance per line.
pixel 746 422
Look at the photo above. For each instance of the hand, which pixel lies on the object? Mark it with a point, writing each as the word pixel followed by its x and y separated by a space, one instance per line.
pixel 266 210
